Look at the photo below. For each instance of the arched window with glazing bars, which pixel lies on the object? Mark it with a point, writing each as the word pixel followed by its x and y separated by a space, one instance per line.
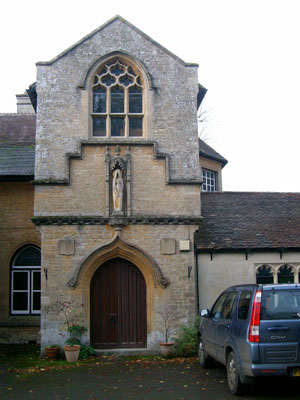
pixel 118 100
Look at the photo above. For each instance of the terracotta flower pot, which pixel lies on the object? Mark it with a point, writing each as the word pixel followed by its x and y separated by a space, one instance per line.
pixel 166 348
pixel 72 352
pixel 52 352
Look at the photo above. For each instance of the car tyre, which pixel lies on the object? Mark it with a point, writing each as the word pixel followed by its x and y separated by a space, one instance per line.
pixel 233 377
pixel 205 361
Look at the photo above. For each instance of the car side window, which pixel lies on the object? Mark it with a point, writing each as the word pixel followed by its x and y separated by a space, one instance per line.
pixel 216 311
pixel 244 304
pixel 228 305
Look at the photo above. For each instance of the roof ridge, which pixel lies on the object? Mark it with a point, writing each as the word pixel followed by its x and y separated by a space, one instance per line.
pixel 101 27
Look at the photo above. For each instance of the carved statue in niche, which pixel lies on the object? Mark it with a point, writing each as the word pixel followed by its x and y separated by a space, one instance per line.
pixel 117 189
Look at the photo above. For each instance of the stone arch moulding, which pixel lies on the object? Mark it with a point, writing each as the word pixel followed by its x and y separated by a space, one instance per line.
pixel 123 55
pixel 119 248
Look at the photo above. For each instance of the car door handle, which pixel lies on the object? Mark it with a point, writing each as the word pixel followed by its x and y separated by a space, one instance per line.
pixel 227 326
pixel 279 328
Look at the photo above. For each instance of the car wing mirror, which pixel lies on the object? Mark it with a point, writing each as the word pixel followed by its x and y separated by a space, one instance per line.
pixel 204 313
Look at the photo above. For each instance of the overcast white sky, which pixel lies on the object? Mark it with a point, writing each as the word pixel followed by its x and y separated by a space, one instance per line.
pixel 248 56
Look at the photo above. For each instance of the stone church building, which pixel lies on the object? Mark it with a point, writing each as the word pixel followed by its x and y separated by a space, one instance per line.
pixel 110 201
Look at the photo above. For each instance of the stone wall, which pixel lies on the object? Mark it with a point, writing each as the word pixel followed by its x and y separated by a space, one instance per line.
pixel 73 192
pixel 88 239
pixel 16 230
pixel 64 97
pixel 86 193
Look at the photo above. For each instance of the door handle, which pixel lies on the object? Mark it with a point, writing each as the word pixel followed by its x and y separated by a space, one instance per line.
pixel 227 326
pixel 279 328
pixel 112 317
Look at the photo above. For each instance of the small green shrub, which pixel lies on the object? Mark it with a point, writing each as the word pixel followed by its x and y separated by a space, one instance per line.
pixel 71 341
pixel 77 330
pixel 86 352
pixel 187 341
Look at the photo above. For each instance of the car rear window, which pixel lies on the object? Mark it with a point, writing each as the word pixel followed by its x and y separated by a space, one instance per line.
pixel 280 304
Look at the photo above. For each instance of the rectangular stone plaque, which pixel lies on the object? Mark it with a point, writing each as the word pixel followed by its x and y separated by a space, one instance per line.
pixel 168 246
pixel 66 247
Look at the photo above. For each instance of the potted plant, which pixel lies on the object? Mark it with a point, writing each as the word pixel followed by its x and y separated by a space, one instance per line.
pixel 74 328
pixel 166 347
pixel 73 343
pixel 52 351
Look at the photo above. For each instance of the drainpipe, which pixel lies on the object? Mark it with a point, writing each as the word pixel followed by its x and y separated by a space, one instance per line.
pixel 197 282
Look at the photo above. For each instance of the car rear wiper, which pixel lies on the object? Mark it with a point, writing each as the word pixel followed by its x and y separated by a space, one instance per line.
pixel 296 315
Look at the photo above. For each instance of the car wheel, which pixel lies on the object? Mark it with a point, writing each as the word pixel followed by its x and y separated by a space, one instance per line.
pixel 233 378
pixel 205 361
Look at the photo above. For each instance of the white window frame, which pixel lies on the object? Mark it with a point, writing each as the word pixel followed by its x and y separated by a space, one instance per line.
pixel 13 311
pixel 209 176
pixel 31 270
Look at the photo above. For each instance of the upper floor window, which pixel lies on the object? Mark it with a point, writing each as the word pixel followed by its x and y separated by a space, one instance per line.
pixel 118 109
pixel 26 281
pixel 209 180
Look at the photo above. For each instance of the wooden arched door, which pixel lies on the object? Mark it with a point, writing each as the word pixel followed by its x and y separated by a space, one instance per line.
pixel 118 306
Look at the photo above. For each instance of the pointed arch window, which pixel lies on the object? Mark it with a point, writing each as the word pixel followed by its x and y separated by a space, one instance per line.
pixel 264 274
pixel 26 282
pixel 286 274
pixel 118 103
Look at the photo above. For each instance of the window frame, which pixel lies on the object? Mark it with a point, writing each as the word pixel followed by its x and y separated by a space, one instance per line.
pixel 204 179
pixel 30 270
pixel 275 269
pixel 126 115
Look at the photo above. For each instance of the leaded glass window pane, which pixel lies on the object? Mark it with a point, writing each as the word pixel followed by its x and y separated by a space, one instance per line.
pixel 135 100
pixel 99 100
pixel 117 70
pixel 126 80
pixel 135 127
pixel 108 80
pixel 117 100
pixel 117 126
pixel 117 95
pixel 99 126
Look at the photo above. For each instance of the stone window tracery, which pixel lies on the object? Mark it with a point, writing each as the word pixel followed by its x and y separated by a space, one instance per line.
pixel 117 105
pixel 265 274
pixel 277 273
pixel 286 274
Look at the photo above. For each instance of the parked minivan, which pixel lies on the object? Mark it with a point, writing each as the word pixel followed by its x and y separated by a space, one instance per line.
pixel 254 330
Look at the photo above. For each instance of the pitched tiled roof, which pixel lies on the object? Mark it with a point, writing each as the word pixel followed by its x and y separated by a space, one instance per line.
pixel 206 151
pixel 241 220
pixel 17 140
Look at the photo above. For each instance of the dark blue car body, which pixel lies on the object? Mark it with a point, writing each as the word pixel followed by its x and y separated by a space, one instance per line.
pixel 275 349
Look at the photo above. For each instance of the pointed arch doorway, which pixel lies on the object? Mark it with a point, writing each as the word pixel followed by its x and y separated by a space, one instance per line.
pixel 118 306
